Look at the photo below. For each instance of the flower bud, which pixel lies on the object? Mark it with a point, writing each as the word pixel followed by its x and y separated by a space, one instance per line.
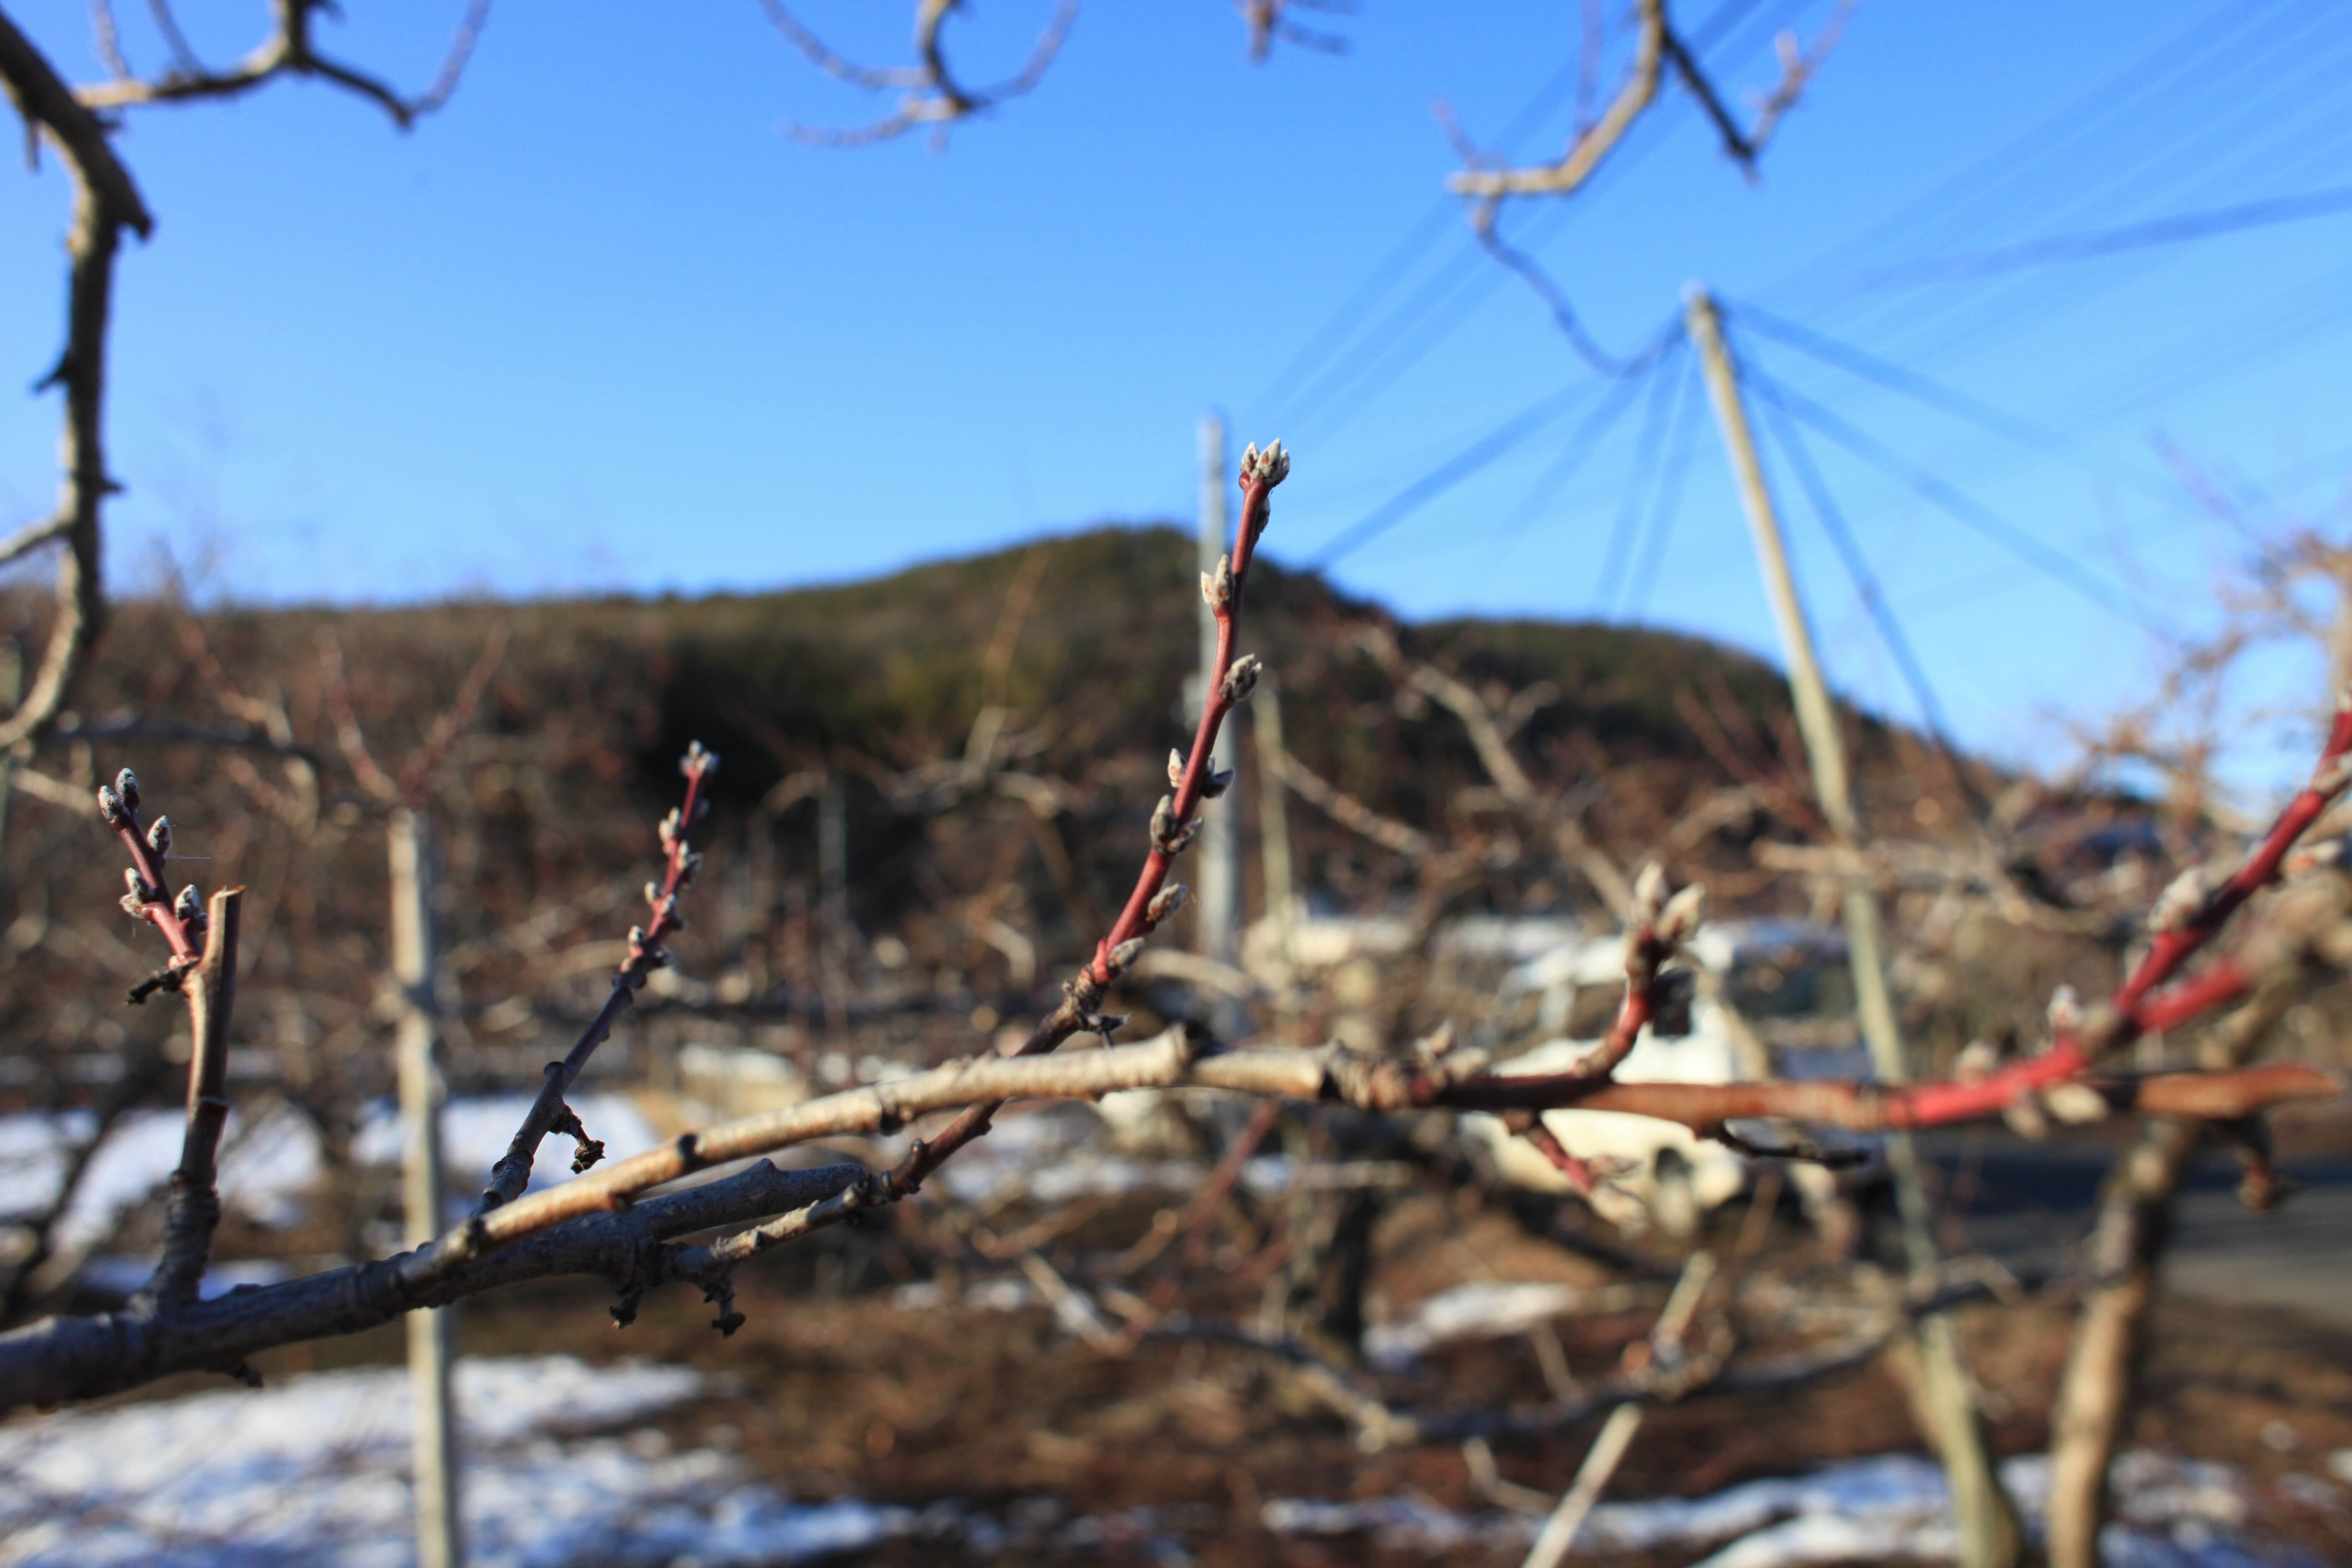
pixel 126 784
pixel 159 835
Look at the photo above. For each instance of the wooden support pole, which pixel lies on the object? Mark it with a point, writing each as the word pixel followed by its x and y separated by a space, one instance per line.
pixel 431 1348
pixel 1274 813
pixel 1987 1525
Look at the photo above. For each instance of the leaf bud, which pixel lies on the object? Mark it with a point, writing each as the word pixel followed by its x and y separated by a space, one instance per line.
pixel 1679 919
pixel 1649 894
pixel 1167 901
pixel 1242 679
pixel 1272 466
pixel 2180 903
pixel 2076 1104
pixel 126 784
pixel 1217 587
pixel 159 835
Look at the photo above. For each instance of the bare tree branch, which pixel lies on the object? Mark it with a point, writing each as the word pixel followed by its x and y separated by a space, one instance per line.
pixel 930 95
pixel 106 203
pixel 289 50
pixel 192 1209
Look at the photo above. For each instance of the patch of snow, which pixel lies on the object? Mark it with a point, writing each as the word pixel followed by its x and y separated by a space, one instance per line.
pixel 317 1470
pixel 477 1128
pixel 1482 1310
pixel 120 1276
pixel 265 1164
pixel 2172 1513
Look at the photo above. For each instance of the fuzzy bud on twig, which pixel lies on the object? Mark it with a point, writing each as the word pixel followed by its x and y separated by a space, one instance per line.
pixel 110 806
pixel 2181 899
pixel 2065 1011
pixel 1117 962
pixel 1242 679
pixel 159 835
pixel 1214 782
pixel 2076 1104
pixel 1649 894
pixel 2333 773
pixel 190 907
pixel 139 889
pixel 1166 902
pixel 126 784
pixel 697 763
pixel 1217 587
pixel 1272 466
pixel 1678 922
pixel 1169 836
pixel 1175 768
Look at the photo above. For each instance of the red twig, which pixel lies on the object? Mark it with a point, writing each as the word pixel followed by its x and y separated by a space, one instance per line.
pixel 1659 927
pixel 2186 919
pixel 548 1112
pixel 181 921
pixel 1173 823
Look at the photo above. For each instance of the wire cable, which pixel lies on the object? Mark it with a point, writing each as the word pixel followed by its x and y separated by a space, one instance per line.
pixel 2177 229
pixel 1582 444
pixel 1857 568
pixel 1666 390
pixel 1982 519
pixel 1681 450
pixel 1497 442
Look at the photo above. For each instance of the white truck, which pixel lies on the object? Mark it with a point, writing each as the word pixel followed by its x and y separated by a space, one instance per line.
pixel 1788 976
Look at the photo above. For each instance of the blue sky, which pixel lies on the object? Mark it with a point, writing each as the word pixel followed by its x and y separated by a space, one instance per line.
pixel 602 325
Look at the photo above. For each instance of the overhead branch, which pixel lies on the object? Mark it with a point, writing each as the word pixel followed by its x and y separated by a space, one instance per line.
pixel 289 50
pixel 1656 46
pixel 1268 21
pixel 931 93
pixel 105 201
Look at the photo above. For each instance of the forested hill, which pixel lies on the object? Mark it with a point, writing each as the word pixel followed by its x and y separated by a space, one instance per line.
pixel 1084 639
pixel 545 793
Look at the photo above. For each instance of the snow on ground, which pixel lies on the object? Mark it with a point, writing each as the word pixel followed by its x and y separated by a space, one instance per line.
pixel 265 1166
pixel 2172 1513
pixel 1485 1309
pixel 317 1470
pixel 268 1162
pixel 477 1128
